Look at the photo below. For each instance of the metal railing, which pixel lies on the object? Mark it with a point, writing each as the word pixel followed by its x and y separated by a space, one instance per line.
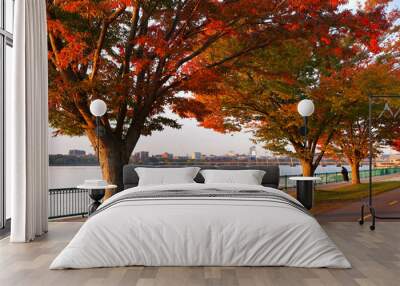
pixel 73 201
pixel 68 202
pixel 336 177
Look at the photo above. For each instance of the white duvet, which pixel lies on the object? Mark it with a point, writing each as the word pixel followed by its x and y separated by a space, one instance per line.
pixel 202 232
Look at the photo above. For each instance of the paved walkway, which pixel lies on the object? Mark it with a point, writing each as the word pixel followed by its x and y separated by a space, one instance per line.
pixel 386 204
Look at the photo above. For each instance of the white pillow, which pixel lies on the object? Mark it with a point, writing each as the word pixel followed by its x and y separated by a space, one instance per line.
pixel 166 176
pixel 248 177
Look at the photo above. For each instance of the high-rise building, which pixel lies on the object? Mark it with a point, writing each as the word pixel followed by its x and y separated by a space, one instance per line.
pixel 196 156
pixel 143 156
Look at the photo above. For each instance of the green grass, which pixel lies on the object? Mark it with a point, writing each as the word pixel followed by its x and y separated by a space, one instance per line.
pixel 354 192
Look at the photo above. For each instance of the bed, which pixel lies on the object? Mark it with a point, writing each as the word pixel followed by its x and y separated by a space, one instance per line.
pixel 197 224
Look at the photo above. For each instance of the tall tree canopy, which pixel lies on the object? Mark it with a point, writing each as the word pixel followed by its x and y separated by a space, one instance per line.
pixel 138 56
pixel 261 91
pixel 351 138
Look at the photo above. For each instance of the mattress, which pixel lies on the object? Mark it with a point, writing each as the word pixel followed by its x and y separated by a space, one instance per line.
pixel 201 225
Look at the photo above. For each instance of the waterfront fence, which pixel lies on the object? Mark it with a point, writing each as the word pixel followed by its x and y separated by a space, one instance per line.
pixel 68 202
pixel 336 177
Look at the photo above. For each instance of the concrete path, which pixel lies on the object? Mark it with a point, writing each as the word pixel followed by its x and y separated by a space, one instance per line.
pixel 386 204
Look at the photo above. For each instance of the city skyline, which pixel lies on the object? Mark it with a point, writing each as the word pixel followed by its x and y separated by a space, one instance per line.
pixel 179 142
pixel 190 138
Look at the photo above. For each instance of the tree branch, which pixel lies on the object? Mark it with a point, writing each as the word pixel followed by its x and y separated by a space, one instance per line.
pixel 100 42
pixel 123 108
pixel 175 22
pixel 240 53
pixel 197 52
pixel 56 62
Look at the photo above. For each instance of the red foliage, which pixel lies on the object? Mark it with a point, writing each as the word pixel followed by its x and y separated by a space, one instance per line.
pixel 171 47
pixel 396 145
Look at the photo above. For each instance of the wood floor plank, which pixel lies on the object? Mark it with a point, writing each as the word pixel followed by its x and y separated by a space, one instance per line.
pixel 375 257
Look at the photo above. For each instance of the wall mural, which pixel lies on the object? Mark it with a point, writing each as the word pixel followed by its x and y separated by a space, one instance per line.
pixel 191 83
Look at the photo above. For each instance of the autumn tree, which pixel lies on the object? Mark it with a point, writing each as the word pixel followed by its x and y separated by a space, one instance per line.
pixel 138 56
pixel 261 92
pixel 352 136
pixel 262 96
pixel 370 75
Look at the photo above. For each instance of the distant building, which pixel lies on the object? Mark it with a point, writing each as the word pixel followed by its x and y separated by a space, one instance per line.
pixel 77 153
pixel 196 156
pixel 253 153
pixel 143 156
pixel 167 155
pixel 231 154
pixel 181 157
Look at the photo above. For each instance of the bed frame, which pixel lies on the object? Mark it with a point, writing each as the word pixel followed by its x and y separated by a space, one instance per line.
pixel 270 179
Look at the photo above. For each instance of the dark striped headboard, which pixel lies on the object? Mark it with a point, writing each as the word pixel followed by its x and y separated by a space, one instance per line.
pixel 270 179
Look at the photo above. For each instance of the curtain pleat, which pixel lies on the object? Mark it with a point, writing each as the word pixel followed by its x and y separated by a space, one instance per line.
pixel 29 154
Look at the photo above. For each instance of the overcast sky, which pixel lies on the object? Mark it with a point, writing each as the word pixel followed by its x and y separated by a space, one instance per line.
pixel 188 139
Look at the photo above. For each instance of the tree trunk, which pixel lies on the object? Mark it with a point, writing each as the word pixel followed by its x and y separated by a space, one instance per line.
pixel 355 172
pixel 112 160
pixel 307 167
pixel 113 156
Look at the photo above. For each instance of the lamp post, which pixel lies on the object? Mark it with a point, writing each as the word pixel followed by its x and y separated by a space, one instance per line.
pixel 98 108
pixel 96 188
pixel 304 184
pixel 305 109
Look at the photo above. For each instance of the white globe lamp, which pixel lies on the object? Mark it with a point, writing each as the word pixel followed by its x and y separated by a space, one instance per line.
pixel 305 107
pixel 98 107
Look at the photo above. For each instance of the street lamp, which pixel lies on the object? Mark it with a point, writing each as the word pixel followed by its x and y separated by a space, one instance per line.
pixel 305 109
pixel 96 188
pixel 304 184
pixel 98 108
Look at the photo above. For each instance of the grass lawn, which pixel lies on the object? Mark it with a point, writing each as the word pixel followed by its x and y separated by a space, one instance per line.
pixel 353 192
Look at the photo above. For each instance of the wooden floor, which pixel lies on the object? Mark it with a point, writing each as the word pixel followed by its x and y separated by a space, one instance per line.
pixel 375 257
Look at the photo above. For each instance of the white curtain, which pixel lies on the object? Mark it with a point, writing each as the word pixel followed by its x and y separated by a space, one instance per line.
pixel 29 123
